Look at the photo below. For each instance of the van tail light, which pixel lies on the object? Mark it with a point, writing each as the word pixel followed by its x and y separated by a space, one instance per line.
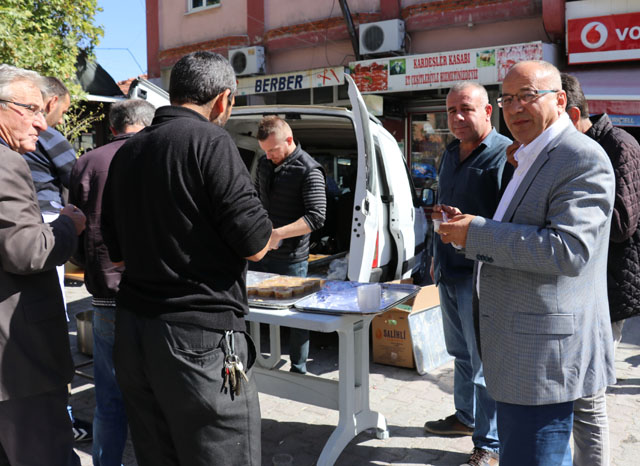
pixel 375 253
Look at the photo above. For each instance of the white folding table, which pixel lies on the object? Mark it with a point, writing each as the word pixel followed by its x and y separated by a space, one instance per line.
pixel 349 395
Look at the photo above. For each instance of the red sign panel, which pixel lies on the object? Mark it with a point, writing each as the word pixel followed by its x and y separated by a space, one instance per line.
pixel 604 38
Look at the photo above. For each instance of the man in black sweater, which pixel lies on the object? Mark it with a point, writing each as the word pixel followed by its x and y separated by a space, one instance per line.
pixel 291 186
pixel 101 277
pixel 180 212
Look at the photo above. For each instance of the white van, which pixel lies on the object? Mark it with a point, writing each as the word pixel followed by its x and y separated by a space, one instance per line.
pixel 373 212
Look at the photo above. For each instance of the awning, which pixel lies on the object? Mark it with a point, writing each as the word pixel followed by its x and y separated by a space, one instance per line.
pixel 615 91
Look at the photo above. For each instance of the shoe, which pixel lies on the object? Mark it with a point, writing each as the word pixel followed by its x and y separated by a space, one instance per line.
pixel 448 426
pixel 482 457
pixel 82 431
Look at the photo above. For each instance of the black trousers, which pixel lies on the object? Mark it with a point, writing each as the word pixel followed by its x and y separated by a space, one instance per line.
pixel 171 377
pixel 36 431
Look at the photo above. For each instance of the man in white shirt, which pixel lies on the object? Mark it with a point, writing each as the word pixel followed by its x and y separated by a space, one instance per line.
pixel 541 279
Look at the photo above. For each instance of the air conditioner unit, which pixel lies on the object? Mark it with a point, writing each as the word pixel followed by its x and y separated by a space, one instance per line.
pixel 247 60
pixel 382 37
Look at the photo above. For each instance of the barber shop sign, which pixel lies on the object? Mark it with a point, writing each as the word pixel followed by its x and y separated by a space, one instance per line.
pixel 604 38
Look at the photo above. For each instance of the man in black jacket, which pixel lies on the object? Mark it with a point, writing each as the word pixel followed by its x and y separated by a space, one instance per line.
pixel 291 186
pixel 101 276
pixel 180 212
pixel 590 425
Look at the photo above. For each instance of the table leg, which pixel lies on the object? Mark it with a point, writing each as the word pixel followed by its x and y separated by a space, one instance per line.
pixel 274 345
pixel 353 381
pixel 365 418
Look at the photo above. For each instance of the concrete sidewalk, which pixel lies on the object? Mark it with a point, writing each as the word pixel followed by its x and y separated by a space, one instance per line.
pixel 404 397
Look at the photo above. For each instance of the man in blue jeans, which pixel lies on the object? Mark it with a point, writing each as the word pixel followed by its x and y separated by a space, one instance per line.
pixel 472 173
pixel 102 277
pixel 291 187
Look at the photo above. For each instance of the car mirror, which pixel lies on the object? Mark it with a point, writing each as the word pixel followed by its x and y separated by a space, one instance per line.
pixel 428 197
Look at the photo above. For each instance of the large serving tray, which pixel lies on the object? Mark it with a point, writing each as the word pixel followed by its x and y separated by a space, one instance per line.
pixel 338 297
pixel 335 297
pixel 254 278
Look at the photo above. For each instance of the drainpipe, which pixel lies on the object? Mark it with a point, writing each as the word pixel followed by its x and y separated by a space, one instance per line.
pixel 351 28
pixel 553 19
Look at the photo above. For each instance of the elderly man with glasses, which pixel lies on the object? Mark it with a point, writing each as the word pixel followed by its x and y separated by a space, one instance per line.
pixel 34 348
pixel 541 272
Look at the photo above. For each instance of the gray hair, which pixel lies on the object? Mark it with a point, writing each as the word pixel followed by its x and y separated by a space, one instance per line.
pixel 462 85
pixel 10 74
pixel 199 77
pixel 53 86
pixel 130 112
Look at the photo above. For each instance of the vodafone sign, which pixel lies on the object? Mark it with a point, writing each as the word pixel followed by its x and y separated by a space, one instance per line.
pixel 604 38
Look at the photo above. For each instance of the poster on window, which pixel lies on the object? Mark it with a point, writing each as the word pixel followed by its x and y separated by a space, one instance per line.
pixel 440 70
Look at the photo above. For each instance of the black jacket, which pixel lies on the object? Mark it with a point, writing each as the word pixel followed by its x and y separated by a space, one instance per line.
pixel 623 266
pixel 180 209
pixel 283 191
pixel 85 191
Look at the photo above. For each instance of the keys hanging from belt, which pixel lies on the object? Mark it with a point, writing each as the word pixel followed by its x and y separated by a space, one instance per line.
pixel 233 367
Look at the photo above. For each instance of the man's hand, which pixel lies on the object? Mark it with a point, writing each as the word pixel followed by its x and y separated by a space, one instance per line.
pixel 440 209
pixel 76 215
pixel 456 229
pixel 276 239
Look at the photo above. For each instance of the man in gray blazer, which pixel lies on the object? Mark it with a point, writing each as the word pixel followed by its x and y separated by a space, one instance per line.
pixel 35 359
pixel 541 272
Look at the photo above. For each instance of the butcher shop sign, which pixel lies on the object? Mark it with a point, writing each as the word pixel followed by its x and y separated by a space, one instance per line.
pixel 441 70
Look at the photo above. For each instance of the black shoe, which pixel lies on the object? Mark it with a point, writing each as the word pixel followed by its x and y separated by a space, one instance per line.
pixel 448 426
pixel 82 431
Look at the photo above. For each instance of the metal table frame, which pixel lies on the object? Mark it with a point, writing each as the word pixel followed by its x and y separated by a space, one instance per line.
pixel 349 395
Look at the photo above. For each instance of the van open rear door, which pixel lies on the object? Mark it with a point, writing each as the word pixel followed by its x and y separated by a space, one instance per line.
pixel 364 220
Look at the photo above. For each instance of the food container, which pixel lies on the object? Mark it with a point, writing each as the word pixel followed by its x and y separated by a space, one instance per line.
pixel 84 324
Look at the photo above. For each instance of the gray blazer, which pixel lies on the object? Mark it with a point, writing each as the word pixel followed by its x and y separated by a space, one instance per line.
pixel 34 341
pixel 544 324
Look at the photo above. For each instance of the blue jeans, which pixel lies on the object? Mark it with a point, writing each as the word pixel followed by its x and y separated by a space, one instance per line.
pixel 109 420
pixel 298 338
pixel 535 435
pixel 474 406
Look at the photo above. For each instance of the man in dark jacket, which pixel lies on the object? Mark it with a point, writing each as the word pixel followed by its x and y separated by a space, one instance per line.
pixel 102 277
pixel 36 363
pixel 291 186
pixel 591 428
pixel 180 211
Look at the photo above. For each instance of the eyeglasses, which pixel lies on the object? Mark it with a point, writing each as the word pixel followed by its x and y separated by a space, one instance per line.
pixel 34 110
pixel 525 97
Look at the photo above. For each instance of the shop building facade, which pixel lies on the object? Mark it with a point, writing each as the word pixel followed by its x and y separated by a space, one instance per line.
pixel 297 52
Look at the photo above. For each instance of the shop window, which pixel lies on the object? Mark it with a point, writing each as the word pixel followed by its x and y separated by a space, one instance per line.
pixel 241 100
pixel 299 97
pixel 323 95
pixel 429 138
pixel 197 5
pixel 343 92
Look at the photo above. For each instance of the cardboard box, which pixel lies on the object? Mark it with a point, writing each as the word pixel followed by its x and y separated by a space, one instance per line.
pixel 411 335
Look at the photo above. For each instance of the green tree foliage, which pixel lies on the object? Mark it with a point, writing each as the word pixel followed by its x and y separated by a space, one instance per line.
pixel 47 35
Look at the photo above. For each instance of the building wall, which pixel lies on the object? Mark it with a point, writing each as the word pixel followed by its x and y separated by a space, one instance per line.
pixel 179 28
pixel 479 35
pixel 279 13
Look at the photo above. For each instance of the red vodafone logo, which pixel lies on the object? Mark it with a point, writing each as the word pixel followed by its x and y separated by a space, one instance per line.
pixel 594 35
pixel 604 38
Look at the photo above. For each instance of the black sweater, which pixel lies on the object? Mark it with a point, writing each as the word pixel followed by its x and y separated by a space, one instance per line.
pixel 179 208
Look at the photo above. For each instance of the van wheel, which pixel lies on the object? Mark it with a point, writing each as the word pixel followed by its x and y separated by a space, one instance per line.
pixel 421 276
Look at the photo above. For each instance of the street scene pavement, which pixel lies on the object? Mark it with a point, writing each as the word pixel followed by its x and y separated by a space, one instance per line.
pixel 404 397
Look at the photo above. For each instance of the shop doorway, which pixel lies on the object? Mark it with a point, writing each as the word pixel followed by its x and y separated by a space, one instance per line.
pixel 429 136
